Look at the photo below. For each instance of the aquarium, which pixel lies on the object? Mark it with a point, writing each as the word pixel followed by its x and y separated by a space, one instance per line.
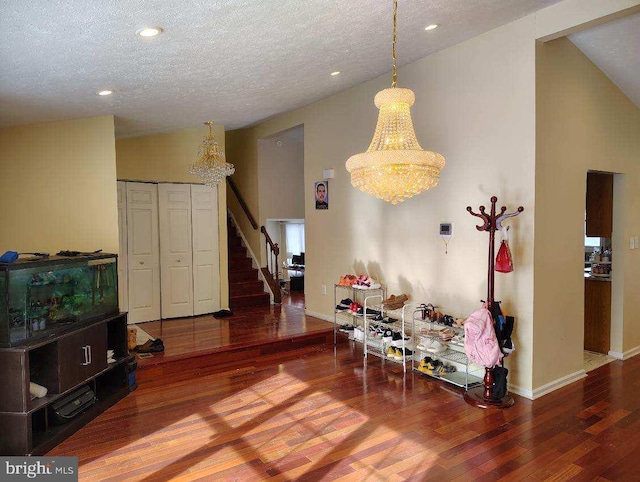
pixel 42 297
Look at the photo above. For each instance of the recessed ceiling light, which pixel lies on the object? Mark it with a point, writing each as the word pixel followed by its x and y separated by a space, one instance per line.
pixel 105 92
pixel 149 31
pixel 337 72
pixel 433 26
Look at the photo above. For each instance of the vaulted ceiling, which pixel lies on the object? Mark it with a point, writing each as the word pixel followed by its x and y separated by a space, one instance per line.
pixel 233 61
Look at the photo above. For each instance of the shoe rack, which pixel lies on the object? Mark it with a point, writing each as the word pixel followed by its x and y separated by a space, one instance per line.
pixel 466 375
pixel 482 397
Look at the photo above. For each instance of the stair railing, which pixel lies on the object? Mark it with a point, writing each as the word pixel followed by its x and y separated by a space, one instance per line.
pixel 243 204
pixel 271 270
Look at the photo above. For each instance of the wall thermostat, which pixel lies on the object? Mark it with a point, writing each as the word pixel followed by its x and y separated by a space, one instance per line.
pixel 446 229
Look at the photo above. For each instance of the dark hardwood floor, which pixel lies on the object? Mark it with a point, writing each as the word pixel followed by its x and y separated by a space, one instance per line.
pixel 320 413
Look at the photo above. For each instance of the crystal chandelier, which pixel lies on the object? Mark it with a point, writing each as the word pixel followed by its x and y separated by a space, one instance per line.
pixel 211 166
pixel 395 167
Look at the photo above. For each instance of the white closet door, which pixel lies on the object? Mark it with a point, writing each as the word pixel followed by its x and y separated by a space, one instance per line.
pixel 176 275
pixel 206 252
pixel 123 286
pixel 144 258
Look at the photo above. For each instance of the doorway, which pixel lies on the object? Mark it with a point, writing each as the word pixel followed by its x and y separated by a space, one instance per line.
pixel 598 268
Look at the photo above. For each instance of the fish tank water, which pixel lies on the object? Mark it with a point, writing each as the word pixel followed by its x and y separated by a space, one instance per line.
pixel 47 296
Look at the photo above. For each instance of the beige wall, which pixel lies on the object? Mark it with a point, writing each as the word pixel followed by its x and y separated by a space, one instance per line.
pixel 583 122
pixel 58 186
pixel 281 172
pixel 474 104
pixel 166 158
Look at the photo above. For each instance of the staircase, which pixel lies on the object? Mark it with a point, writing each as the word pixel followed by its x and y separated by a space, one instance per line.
pixel 245 288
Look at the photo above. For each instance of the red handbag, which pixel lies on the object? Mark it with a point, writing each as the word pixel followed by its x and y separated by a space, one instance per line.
pixel 504 263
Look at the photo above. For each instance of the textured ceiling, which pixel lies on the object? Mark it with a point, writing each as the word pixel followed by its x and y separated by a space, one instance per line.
pixel 234 61
pixel 615 48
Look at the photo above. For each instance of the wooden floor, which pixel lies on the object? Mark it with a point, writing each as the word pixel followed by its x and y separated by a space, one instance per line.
pixel 248 327
pixel 319 413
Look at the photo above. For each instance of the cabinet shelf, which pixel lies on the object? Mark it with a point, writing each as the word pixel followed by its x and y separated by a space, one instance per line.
pixel 61 365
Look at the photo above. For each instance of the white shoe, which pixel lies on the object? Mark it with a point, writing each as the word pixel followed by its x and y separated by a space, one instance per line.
pixel 436 347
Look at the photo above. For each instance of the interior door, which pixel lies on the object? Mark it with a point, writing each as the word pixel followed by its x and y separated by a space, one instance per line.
pixel 206 252
pixel 176 274
pixel 123 287
pixel 143 250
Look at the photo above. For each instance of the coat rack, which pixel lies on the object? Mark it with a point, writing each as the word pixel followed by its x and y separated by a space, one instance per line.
pixel 483 396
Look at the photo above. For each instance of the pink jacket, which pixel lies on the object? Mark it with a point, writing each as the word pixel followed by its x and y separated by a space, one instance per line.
pixel 480 342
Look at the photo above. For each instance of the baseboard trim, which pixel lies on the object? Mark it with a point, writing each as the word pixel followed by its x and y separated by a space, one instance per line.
pixel 318 315
pixel 625 355
pixel 523 392
pixel 559 383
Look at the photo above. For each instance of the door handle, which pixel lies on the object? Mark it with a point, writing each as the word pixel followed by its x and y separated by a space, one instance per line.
pixel 141 262
pixel 85 353
pixel 178 260
pixel 90 354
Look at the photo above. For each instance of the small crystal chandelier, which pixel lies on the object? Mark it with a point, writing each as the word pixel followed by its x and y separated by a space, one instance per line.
pixel 211 166
pixel 395 167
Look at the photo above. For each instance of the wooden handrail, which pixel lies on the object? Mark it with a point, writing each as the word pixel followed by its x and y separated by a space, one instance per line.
pixel 243 204
pixel 274 246
pixel 271 271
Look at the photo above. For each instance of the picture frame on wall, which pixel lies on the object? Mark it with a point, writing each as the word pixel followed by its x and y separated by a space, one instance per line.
pixel 321 192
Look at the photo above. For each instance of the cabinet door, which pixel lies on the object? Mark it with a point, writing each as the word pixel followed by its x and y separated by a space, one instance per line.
pixel 82 355
pixel 206 253
pixel 176 276
pixel 599 206
pixel 143 251
pixel 123 286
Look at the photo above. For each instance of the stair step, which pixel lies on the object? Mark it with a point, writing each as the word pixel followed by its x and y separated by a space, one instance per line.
pixel 234 242
pixel 237 250
pixel 248 300
pixel 246 288
pixel 243 275
pixel 240 264
pixel 233 257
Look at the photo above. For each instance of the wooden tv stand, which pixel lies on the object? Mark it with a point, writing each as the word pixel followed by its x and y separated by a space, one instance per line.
pixel 61 365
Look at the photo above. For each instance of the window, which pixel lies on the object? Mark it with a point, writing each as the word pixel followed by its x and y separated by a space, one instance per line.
pixel 295 238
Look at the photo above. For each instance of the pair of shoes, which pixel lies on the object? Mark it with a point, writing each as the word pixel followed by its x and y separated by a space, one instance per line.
pixel 398 339
pixel 344 304
pixel 346 328
pixel 150 346
pixel 401 354
pixel 436 347
pixel 347 280
pixel 446 334
pixel 223 314
pixel 394 302
pixel 364 282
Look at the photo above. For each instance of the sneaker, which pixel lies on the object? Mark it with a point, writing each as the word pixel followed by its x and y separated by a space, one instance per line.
pixel 388 319
pixel 424 345
pixel 401 355
pixel 398 338
pixel 358 334
pixel 346 328
pixel 391 352
pixel 436 347
pixel 387 336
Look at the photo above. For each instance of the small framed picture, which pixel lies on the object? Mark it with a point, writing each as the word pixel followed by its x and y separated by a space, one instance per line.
pixel 322 194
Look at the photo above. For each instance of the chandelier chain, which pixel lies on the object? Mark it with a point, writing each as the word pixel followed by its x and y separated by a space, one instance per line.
pixel 395 21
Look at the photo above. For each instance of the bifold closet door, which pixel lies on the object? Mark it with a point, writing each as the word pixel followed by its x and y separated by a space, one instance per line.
pixel 176 256
pixel 206 249
pixel 123 276
pixel 143 251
